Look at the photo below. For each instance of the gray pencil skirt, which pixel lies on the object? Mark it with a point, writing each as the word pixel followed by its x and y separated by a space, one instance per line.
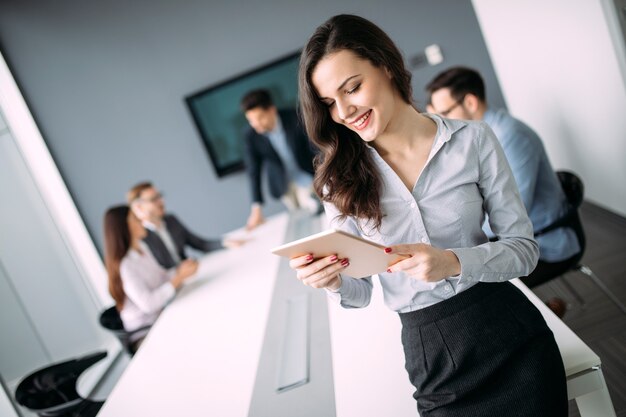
pixel 484 352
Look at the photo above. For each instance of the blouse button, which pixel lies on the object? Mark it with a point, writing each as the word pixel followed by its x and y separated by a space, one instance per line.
pixel 413 205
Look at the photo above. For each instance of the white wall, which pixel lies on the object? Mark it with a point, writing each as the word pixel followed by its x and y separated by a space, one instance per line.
pixel 559 72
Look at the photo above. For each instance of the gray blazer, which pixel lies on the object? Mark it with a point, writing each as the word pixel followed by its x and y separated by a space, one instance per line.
pixel 182 237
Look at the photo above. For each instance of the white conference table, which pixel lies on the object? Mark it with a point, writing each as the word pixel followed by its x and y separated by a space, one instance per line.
pixel 374 334
pixel 201 356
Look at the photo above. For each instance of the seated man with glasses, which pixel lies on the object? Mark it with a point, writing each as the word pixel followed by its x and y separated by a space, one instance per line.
pixel 459 93
pixel 166 236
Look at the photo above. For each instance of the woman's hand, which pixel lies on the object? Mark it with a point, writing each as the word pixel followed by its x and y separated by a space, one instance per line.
pixel 185 269
pixel 425 263
pixel 320 273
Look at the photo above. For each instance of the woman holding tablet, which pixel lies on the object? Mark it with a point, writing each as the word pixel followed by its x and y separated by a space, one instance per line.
pixel 421 185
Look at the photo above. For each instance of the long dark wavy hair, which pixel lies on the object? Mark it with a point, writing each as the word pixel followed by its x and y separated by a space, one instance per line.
pixel 116 245
pixel 345 173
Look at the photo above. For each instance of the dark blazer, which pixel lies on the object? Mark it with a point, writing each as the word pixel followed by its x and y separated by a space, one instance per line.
pixel 258 151
pixel 182 237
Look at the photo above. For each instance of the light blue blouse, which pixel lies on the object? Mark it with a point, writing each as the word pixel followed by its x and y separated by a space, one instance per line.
pixel 466 175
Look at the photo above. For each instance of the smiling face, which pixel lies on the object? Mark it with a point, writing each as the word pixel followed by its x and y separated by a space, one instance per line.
pixel 358 95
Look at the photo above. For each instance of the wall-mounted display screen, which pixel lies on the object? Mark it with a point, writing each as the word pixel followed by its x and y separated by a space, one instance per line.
pixel 218 116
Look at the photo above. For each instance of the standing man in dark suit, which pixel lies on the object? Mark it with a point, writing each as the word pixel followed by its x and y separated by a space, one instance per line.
pixel 276 139
pixel 166 236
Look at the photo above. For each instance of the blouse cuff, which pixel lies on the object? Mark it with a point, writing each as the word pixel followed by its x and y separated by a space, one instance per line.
pixel 473 267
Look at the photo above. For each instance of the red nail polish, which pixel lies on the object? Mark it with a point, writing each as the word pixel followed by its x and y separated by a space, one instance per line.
pixel 345 262
pixel 309 257
pixel 387 250
pixel 388 270
pixel 333 258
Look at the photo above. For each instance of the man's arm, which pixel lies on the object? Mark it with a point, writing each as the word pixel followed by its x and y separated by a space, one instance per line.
pixel 256 216
pixel 253 167
pixel 189 238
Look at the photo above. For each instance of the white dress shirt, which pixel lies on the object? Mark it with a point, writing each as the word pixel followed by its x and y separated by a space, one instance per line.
pixel 147 286
pixel 466 175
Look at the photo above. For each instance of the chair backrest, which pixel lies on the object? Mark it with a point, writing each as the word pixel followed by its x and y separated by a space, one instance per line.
pixel 53 388
pixel 110 319
pixel 574 190
pixel 573 187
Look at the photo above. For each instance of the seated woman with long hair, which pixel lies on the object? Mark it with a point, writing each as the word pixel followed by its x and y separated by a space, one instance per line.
pixel 139 285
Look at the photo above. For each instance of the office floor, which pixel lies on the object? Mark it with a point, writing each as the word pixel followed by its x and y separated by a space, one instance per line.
pixel 599 322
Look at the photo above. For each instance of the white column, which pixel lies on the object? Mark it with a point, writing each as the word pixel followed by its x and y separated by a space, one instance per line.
pixel 559 68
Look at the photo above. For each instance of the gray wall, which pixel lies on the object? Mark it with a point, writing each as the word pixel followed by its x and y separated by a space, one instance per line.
pixel 106 80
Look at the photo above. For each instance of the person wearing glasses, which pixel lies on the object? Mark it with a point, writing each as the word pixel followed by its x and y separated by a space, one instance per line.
pixel 421 185
pixel 459 93
pixel 166 236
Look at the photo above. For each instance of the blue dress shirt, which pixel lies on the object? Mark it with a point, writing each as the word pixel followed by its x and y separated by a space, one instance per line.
pixel 538 185
pixel 279 142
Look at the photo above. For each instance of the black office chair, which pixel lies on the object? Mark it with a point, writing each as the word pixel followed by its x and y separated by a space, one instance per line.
pixel 51 391
pixel 574 191
pixel 110 319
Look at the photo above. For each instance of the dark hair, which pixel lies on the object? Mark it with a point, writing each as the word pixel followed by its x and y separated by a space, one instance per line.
pixel 256 98
pixel 135 192
pixel 116 245
pixel 345 173
pixel 461 81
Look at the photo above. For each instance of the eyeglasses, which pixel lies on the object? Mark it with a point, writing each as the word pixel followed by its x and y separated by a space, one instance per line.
pixel 153 199
pixel 447 111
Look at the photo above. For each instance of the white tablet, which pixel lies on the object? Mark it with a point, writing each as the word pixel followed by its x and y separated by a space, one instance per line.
pixel 366 257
